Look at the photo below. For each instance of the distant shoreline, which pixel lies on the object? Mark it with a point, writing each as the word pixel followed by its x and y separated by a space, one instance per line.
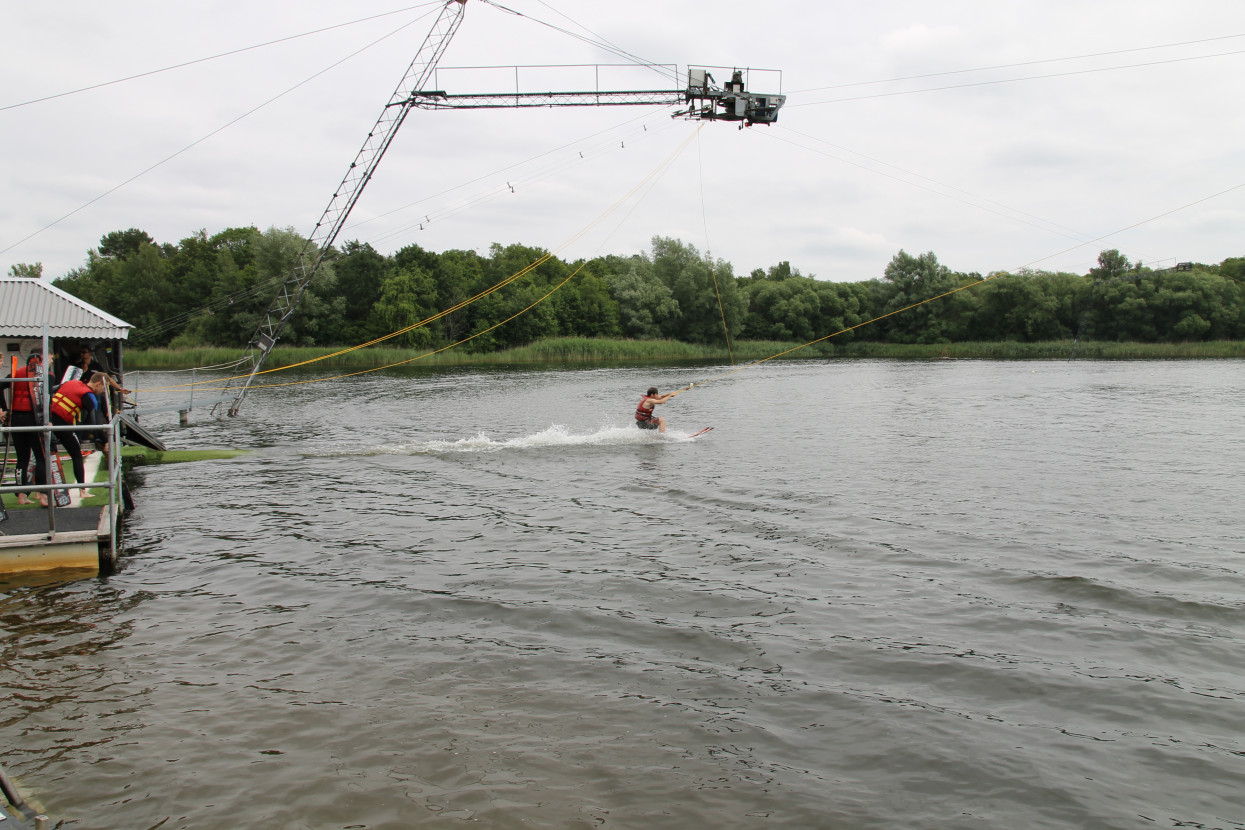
pixel 589 351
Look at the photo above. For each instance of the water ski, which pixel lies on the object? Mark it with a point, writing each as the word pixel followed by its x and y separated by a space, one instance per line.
pixel 701 432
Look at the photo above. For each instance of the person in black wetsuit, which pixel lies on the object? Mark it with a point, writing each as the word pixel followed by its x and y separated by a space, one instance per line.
pixel 24 408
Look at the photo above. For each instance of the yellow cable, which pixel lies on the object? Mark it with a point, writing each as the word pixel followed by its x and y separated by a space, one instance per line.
pixel 510 279
pixel 968 285
pixel 840 331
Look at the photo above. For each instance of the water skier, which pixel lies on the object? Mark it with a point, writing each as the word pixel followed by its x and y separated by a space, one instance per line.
pixel 644 417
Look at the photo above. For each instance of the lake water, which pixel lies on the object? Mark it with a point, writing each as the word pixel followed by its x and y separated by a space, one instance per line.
pixel 880 594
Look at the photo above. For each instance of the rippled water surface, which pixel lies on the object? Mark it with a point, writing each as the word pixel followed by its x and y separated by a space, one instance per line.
pixel 948 594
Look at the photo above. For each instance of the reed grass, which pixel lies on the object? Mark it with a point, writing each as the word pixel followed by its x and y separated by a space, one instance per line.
pixel 586 350
pixel 1051 350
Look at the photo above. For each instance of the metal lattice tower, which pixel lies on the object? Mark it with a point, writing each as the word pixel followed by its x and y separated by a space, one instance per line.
pixel 347 194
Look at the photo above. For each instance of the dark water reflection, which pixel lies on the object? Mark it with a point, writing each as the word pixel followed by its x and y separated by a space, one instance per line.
pixel 879 594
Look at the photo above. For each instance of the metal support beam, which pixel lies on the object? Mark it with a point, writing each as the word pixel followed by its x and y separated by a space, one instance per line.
pixel 347 194
pixel 704 100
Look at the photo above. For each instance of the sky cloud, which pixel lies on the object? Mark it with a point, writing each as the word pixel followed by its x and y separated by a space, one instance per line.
pixel 1032 127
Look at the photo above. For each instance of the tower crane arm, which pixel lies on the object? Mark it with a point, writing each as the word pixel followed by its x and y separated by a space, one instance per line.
pixel 705 101
pixel 346 195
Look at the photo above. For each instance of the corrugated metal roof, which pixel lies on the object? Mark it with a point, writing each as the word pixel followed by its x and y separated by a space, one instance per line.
pixel 27 304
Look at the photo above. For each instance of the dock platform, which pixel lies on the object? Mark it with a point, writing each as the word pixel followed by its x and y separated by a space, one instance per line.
pixel 82 540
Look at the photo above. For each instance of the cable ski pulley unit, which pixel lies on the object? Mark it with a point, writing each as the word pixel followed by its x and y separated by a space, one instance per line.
pixel 731 103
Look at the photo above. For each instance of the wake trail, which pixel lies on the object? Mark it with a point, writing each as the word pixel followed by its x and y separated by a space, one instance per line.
pixel 556 436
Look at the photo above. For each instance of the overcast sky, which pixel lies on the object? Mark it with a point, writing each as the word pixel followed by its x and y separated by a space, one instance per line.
pixel 907 127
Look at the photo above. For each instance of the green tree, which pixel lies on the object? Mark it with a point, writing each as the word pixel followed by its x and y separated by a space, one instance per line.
pixel 361 273
pixel 584 307
pixel 408 295
pixel 192 271
pixel 711 306
pixel 1233 268
pixel 785 305
pixel 1112 265
pixel 789 309
pixel 1029 306
pixel 1120 311
pixel 459 275
pixel 94 282
pixel 518 327
pixel 203 274
pixel 145 285
pixel 121 244
pixel 1118 307
pixel 135 288
pixel 238 298
pixel 534 274
pixel 1195 305
pixel 32 271
pixel 843 306
pixel 645 304
pixel 318 318
pixel 912 280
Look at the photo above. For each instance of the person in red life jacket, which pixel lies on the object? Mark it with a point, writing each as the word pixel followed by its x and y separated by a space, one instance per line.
pixel 26 411
pixel 644 417
pixel 67 405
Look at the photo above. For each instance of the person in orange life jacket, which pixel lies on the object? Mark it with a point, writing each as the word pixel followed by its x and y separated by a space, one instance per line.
pixel 644 417
pixel 67 404
pixel 26 412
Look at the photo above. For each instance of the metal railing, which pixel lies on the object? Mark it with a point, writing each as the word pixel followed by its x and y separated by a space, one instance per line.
pixel 40 390
pixel 112 455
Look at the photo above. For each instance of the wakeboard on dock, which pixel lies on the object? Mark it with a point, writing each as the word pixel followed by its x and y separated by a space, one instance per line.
pixel 57 473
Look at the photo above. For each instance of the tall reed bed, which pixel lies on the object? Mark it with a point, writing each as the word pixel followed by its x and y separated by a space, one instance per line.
pixel 1051 350
pixel 591 350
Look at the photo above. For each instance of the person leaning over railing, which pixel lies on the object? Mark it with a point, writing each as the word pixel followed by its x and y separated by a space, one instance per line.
pixel 66 407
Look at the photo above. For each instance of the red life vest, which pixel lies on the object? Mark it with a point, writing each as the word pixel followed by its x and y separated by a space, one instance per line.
pixel 22 401
pixel 67 402
pixel 641 412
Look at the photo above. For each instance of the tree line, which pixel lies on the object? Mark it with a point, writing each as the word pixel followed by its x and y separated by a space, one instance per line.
pixel 214 290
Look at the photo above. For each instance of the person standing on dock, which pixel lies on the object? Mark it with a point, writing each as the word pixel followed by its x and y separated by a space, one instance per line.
pixel 84 363
pixel 66 407
pixel 87 363
pixel 24 412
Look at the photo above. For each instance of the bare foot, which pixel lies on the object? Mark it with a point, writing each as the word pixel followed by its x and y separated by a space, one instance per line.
pixel 21 499
pixel 84 494
pixel 43 500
